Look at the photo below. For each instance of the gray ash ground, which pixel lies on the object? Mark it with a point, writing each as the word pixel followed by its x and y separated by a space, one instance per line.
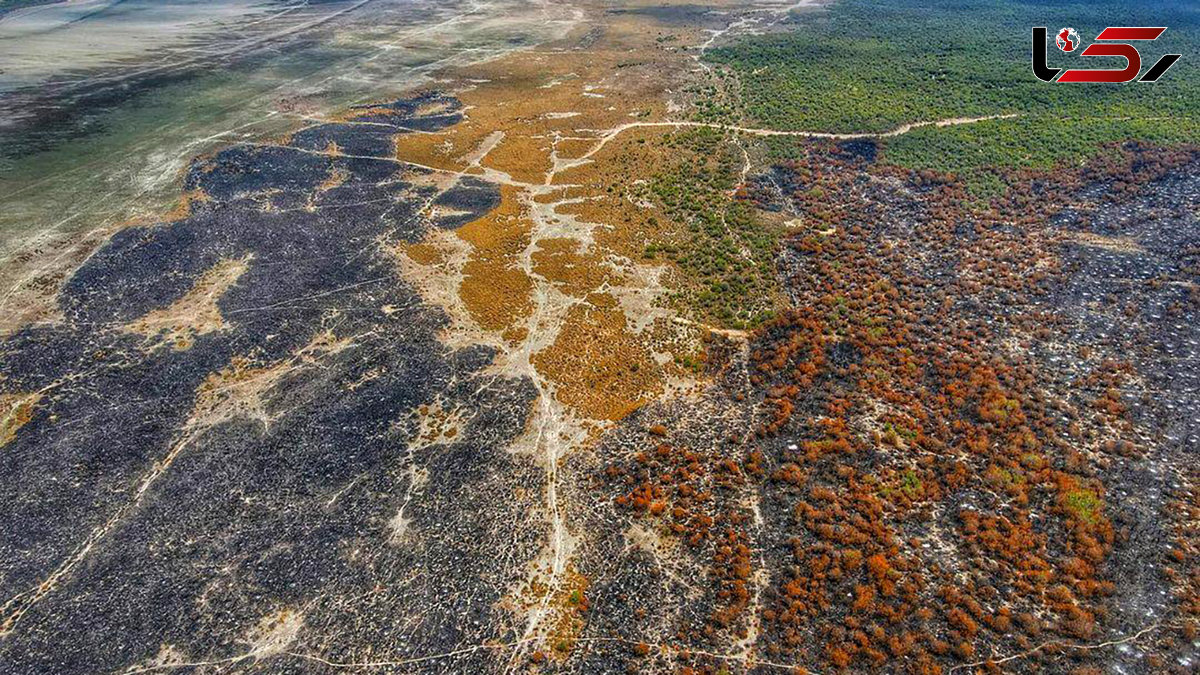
pixel 1132 297
pixel 648 586
pixel 148 524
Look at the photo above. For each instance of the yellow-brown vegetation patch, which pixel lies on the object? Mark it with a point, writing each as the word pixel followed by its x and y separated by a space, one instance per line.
pixel 527 116
pixel 566 606
pixel 15 412
pixel 607 186
pixel 495 292
pixel 572 148
pixel 495 289
pixel 436 424
pixel 543 101
pixel 600 368
pixel 196 313
pixel 525 158
pixel 570 605
pixel 575 273
pixel 424 253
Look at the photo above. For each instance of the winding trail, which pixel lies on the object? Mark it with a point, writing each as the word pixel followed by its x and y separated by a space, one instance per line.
pixel 610 134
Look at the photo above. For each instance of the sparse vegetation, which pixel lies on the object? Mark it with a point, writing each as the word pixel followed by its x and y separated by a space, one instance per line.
pixel 726 251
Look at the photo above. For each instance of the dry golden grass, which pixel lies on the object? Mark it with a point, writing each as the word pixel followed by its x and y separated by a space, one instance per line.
pixel 605 184
pixel 494 288
pixel 15 412
pixel 570 605
pixel 598 367
pixel 561 262
pixel 537 98
pixel 527 115
pixel 424 253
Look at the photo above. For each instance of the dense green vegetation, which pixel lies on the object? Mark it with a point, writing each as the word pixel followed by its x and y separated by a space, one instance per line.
pixel 1036 141
pixel 725 252
pixel 872 65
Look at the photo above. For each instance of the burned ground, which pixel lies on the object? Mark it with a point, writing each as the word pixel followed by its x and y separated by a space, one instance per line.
pixel 299 416
pixel 970 439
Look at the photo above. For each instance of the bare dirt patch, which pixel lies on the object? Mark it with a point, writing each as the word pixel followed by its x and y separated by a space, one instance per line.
pixel 196 313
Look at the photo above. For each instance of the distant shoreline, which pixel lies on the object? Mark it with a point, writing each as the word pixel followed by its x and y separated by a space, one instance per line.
pixel 13 5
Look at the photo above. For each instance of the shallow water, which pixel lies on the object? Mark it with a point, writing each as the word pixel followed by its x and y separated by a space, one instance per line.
pixel 105 134
pixel 53 41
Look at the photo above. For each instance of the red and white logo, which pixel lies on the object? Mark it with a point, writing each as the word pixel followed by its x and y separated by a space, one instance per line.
pixel 1112 41
pixel 1067 39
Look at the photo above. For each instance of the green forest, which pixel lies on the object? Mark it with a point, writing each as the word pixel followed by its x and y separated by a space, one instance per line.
pixel 873 65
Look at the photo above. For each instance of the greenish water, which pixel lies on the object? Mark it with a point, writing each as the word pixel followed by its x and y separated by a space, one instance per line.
pixel 131 154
